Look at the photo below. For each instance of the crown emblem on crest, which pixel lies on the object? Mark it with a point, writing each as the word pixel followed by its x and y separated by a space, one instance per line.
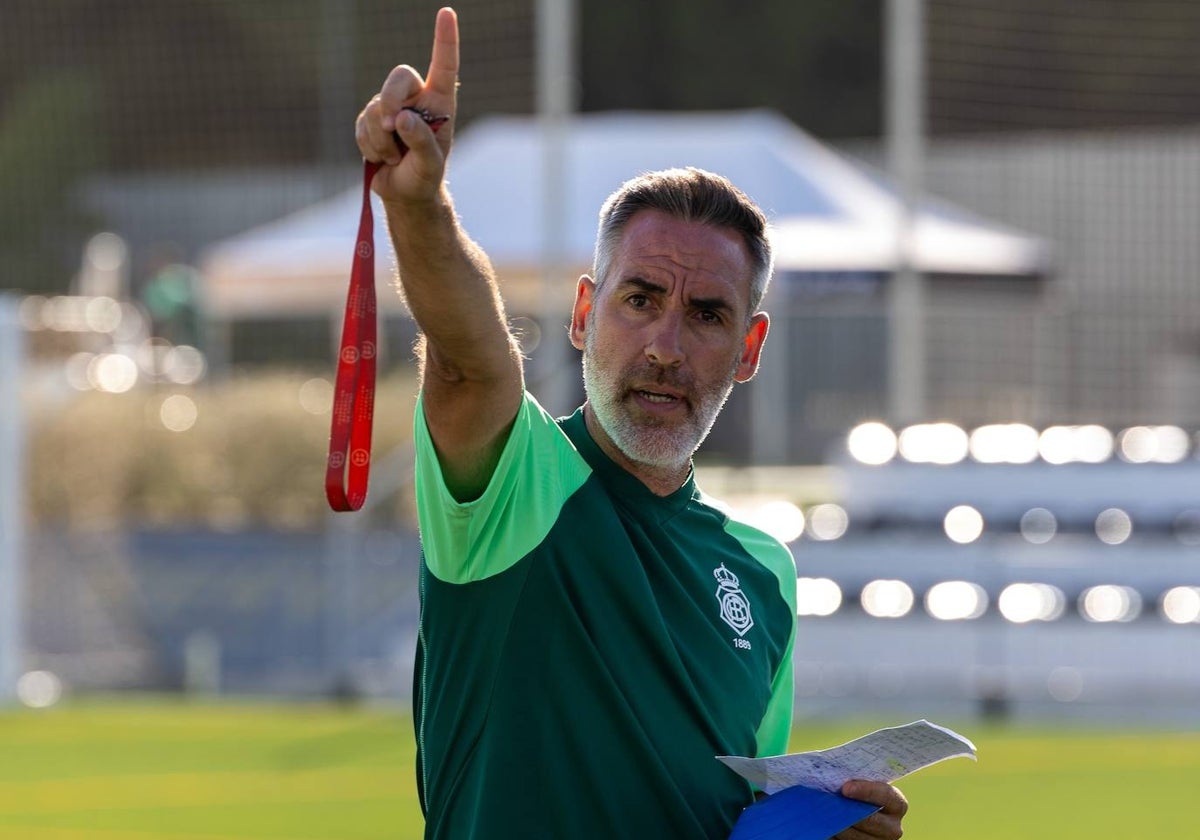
pixel 726 578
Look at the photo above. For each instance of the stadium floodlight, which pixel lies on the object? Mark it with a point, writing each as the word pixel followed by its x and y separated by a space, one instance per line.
pixel 1110 603
pixel 887 598
pixel 1089 444
pixel 1004 443
pixel 1038 526
pixel 963 524
pixel 817 596
pixel 1056 445
pixel 934 443
pixel 872 443
pixel 1172 444
pixel 1181 605
pixel 1160 444
pixel 1021 603
pixel 1114 526
pixel 956 600
pixel 828 522
pixel 1093 444
pixel 1137 445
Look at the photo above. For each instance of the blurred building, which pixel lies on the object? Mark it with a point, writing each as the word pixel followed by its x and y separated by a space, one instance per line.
pixel 1115 338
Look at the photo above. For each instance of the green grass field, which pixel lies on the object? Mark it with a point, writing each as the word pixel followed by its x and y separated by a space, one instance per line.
pixel 135 770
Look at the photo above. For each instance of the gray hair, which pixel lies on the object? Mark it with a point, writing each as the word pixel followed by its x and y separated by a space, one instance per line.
pixel 692 195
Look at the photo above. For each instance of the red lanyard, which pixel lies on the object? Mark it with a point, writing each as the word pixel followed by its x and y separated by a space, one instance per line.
pixel 354 393
pixel 349 462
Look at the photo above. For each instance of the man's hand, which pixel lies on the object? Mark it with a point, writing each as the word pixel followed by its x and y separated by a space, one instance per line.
pixel 414 175
pixel 883 824
pixel 471 374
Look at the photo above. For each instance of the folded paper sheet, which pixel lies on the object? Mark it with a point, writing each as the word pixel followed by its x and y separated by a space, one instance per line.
pixel 805 800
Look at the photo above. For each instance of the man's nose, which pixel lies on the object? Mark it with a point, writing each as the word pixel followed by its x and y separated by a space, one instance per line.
pixel 664 346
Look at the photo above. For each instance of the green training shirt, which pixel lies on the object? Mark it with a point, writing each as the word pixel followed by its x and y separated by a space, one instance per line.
pixel 586 648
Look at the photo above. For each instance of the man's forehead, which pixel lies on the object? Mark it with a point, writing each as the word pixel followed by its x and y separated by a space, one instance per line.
pixel 656 241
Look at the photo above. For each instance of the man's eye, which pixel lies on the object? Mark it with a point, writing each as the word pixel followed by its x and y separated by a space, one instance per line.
pixel 638 301
pixel 709 316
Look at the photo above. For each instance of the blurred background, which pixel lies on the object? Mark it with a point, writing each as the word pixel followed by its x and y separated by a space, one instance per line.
pixel 976 420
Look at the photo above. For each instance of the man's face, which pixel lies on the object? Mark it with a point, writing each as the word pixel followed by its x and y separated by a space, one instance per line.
pixel 666 335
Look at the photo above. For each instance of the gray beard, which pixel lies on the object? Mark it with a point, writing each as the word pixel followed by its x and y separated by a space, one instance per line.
pixel 650 443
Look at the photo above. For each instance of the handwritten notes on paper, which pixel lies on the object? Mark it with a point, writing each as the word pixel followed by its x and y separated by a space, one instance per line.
pixel 882 756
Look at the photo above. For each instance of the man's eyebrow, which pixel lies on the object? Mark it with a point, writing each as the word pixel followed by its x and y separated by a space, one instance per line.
pixel 719 304
pixel 643 284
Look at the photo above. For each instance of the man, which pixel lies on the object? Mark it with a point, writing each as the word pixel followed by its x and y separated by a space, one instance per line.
pixel 594 631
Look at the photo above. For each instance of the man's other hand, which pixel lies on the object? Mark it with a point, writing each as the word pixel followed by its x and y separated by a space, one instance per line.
pixel 883 824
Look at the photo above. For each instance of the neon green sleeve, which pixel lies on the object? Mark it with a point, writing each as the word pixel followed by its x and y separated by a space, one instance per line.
pixel 538 470
pixel 776 726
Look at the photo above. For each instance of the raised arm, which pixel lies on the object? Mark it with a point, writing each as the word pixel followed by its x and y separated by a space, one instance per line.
pixel 471 376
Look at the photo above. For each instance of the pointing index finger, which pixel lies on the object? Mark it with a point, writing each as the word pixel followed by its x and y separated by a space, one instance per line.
pixel 443 65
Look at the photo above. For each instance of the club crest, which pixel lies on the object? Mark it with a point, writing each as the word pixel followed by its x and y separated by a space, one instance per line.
pixel 735 608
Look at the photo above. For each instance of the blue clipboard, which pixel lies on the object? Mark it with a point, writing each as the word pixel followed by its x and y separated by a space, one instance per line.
pixel 800 813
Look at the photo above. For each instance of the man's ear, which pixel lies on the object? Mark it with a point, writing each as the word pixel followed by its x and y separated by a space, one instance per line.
pixel 584 297
pixel 752 345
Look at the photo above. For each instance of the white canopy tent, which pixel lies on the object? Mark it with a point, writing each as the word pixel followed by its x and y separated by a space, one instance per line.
pixel 828 214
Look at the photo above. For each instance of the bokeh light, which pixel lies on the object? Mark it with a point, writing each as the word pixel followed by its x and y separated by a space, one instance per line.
pixel 316 396
pixel 1038 526
pixel 956 600
pixel 817 596
pixel 1158 444
pixel 102 314
pixel 30 312
pixel 106 251
pixel 39 689
pixel 779 518
pixel 1181 605
pixel 1114 526
pixel 178 413
pixel 1004 443
pixel 76 371
pixel 1137 445
pixel 184 365
pixel 1021 603
pixel 963 524
pixel 933 443
pixel 1088 444
pixel 1109 603
pixel 528 333
pixel 887 598
pixel 115 373
pixel 827 522
pixel 872 443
